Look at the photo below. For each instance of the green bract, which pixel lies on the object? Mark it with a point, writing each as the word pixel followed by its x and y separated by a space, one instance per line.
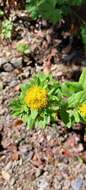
pixel 38 117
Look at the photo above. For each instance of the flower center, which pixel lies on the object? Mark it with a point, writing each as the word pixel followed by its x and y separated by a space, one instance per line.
pixel 83 109
pixel 36 97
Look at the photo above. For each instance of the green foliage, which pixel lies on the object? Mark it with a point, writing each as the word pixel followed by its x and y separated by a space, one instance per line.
pixel 64 101
pixel 7 27
pixel 83 34
pixel 23 48
pixel 53 10
pixel 46 9
pixel 1 13
pixel 75 94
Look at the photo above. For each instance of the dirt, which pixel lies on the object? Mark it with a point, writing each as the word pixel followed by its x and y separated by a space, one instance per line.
pixel 39 159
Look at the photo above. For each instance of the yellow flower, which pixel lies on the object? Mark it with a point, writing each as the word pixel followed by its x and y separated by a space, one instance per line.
pixel 83 109
pixel 36 97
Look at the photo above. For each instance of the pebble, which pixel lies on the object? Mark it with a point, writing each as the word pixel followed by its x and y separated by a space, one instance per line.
pixel 19 188
pixel 13 83
pixel 38 172
pixel 2 110
pixel 8 166
pixel 5 175
pixel 1 99
pixel 8 67
pixel 42 184
pixel 23 149
pixel 12 181
pixel 66 161
pixel 17 62
pixel 3 61
pixel 77 183
pixel 1 85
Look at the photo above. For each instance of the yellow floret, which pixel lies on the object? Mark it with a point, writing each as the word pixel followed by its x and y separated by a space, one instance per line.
pixel 83 109
pixel 36 97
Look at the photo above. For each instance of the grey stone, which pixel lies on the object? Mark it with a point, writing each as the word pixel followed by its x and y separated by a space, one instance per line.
pixel 83 62
pixel 3 61
pixel 77 183
pixel 1 2
pixel 1 99
pixel 13 83
pixel 8 67
pixel 23 149
pixel 19 188
pixel 42 184
pixel 17 62
pixel 8 166
pixel 12 181
pixel 38 172
pixel 1 85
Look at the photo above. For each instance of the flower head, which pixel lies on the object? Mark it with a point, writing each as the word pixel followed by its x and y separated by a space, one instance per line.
pixel 36 98
pixel 82 109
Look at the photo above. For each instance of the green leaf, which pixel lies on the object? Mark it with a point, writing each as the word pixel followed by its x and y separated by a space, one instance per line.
pixel 7 27
pixel 23 48
pixel 83 34
pixel 30 122
pixel 76 116
pixel 82 80
pixel 34 114
pixel 42 123
pixel 75 2
pixel 31 119
pixel 68 88
pixel 76 99
pixel 71 122
pixel 64 115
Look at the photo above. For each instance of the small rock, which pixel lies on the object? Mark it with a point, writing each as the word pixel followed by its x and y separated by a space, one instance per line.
pixel 19 188
pixel 26 73
pixel 38 172
pixel 20 162
pixel 7 67
pixel 5 175
pixel 2 110
pixel 13 83
pixel 1 85
pixel 1 98
pixel 30 155
pixel 83 62
pixel 42 184
pixel 77 183
pixel 17 62
pixel 15 156
pixel 12 181
pixel 80 148
pixel 44 23
pixel 1 127
pixel 8 166
pixel 3 61
pixel 65 160
pixel 23 149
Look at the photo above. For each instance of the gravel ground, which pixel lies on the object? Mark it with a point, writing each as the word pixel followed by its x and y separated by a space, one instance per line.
pixel 38 159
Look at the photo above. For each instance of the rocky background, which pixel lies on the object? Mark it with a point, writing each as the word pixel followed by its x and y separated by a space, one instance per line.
pixel 52 158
